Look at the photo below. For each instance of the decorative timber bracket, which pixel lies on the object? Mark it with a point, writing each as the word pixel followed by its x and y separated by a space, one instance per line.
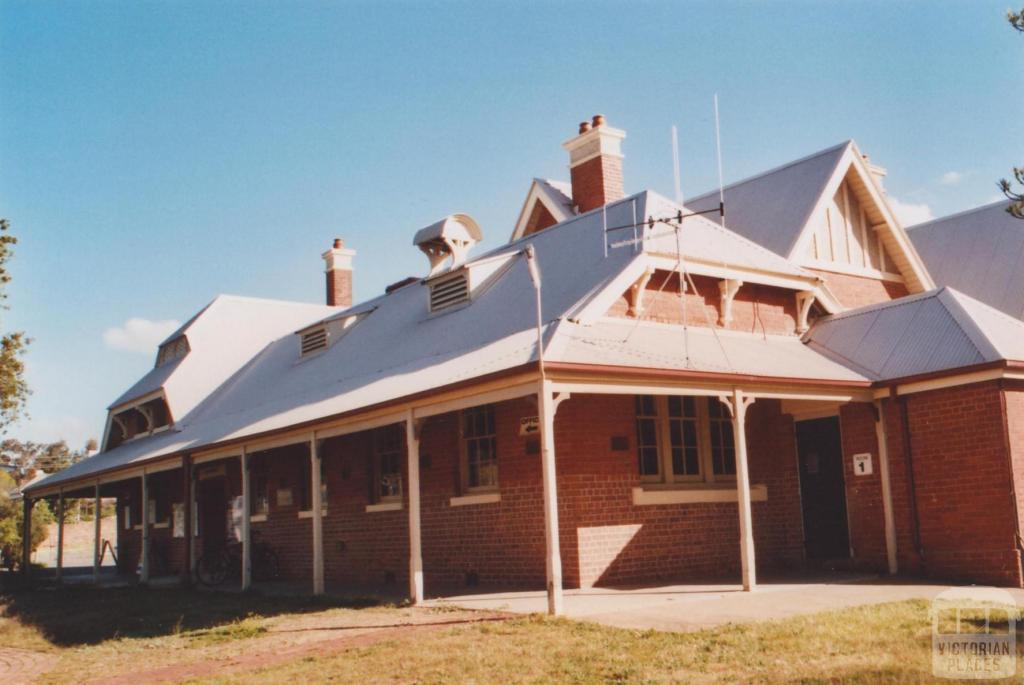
pixel 636 294
pixel 728 287
pixel 804 301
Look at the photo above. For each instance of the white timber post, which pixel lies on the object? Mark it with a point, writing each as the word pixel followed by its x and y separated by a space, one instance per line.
pixel 193 519
pixel 318 517
pixel 548 404
pixel 60 535
pixel 144 575
pixel 96 536
pixel 737 406
pixel 246 524
pixel 883 465
pixel 412 444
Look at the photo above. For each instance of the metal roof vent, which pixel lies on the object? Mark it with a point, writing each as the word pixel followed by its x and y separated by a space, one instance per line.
pixel 449 240
pixel 449 292
pixel 314 340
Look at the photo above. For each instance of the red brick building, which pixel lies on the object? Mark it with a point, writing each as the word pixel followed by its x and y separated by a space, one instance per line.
pixel 629 391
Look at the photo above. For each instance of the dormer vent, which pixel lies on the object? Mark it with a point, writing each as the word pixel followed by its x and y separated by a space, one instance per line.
pixel 172 350
pixel 314 340
pixel 447 243
pixel 449 292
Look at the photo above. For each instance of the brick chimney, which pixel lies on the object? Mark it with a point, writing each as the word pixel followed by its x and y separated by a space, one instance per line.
pixel 338 269
pixel 595 164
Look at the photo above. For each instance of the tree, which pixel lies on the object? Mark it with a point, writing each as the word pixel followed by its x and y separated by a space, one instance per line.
pixel 10 523
pixel 24 459
pixel 13 389
pixel 1016 197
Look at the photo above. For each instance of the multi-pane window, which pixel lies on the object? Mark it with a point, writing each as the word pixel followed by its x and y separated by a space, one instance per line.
pixel 723 448
pixel 480 456
pixel 683 439
pixel 389 450
pixel 259 501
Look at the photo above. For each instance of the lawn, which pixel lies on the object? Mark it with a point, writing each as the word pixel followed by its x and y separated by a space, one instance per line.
pixel 129 635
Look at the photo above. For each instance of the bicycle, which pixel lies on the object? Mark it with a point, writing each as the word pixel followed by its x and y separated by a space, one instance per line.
pixel 214 568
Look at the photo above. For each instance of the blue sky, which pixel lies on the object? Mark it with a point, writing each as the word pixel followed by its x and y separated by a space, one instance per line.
pixel 153 155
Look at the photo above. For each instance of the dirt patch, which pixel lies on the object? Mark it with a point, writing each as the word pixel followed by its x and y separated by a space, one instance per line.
pixel 314 638
pixel 22 665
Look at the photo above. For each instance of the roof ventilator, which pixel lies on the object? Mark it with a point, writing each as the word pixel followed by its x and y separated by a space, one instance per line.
pixel 314 340
pixel 449 240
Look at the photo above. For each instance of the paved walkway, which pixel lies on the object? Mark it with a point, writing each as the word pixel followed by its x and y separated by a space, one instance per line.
pixel 683 608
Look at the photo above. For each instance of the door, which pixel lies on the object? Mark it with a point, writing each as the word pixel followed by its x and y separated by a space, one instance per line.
pixel 212 497
pixel 822 488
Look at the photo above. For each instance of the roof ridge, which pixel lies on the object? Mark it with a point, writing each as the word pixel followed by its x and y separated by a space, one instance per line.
pixel 956 215
pixel 878 306
pixel 781 167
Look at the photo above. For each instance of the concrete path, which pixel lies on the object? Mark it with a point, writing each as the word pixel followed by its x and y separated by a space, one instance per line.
pixel 684 608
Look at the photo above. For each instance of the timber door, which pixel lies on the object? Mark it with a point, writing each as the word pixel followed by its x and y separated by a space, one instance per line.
pixel 212 496
pixel 822 488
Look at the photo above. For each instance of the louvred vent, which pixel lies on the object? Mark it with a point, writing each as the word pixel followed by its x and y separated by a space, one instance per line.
pixel 449 292
pixel 314 341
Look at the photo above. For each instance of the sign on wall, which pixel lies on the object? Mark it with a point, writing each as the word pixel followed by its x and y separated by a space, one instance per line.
pixel 529 425
pixel 862 464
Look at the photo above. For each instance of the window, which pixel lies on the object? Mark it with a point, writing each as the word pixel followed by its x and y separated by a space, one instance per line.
pixel 305 487
pixel 684 439
pixel 259 484
pixel 389 449
pixel 480 456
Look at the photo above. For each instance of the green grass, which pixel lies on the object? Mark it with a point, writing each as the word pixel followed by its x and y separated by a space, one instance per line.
pixel 95 634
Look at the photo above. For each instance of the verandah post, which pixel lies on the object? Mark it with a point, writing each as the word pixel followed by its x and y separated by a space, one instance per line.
pixel 186 498
pixel 26 535
pixel 412 443
pixel 738 408
pixel 96 532
pixel 547 406
pixel 144 575
pixel 318 521
pixel 881 435
pixel 60 536
pixel 246 523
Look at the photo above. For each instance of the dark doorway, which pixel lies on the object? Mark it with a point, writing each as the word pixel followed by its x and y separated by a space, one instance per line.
pixel 822 488
pixel 211 495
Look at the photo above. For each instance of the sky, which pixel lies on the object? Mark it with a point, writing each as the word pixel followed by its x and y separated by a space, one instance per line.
pixel 155 154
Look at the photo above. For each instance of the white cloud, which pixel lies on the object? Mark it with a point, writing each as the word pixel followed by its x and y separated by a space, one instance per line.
pixel 951 178
pixel 139 335
pixel 910 214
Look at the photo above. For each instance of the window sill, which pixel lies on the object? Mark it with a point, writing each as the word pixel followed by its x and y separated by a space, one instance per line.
pixel 164 524
pixel 308 514
pixel 694 495
pixel 257 518
pixel 482 498
pixel 383 506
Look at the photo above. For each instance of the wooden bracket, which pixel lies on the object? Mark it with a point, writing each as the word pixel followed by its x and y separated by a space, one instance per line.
pixel 728 288
pixel 804 300
pixel 636 294
pixel 557 400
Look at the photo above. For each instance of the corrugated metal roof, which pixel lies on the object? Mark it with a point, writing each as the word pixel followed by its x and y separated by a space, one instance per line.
pixel 773 207
pixel 934 331
pixel 979 252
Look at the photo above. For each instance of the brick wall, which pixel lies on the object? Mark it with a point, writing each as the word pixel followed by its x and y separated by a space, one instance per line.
pixel 755 309
pixel 864 507
pixel 859 291
pixel 961 486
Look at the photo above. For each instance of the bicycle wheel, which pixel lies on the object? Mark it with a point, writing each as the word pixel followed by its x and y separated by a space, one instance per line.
pixel 212 569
